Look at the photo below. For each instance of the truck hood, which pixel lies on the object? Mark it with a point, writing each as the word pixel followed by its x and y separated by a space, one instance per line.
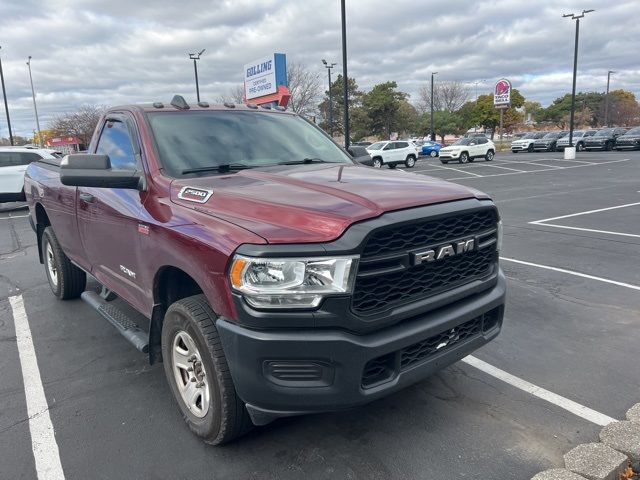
pixel 312 203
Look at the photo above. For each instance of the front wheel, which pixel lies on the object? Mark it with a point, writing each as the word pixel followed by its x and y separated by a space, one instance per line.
pixel 530 148
pixel 580 147
pixel 392 166
pixel 65 279
pixel 198 374
pixel 410 161
pixel 444 161
pixel 464 158
pixel 489 156
pixel 433 154
pixel 377 163
pixel 608 146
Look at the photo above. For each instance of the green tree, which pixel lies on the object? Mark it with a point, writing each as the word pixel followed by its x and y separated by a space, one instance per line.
pixel 486 115
pixel 559 111
pixel 623 108
pixel 382 105
pixel 444 123
pixel 355 101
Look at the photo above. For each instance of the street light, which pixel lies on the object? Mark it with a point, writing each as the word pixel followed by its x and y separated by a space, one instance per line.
pixel 476 85
pixel 345 77
pixel 6 105
pixel 606 100
pixel 577 18
pixel 35 108
pixel 432 134
pixel 195 57
pixel 329 66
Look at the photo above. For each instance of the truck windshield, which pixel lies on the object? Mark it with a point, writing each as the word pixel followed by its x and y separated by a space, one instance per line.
pixel 192 141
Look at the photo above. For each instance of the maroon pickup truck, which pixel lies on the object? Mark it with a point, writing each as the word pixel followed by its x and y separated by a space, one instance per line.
pixel 278 277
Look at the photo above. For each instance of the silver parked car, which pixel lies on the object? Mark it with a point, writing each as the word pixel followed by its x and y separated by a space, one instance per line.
pixel 578 139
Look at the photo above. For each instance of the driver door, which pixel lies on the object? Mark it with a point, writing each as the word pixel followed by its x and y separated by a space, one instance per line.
pixel 108 217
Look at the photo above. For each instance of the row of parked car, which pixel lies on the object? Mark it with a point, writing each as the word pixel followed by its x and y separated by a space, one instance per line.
pixel 618 138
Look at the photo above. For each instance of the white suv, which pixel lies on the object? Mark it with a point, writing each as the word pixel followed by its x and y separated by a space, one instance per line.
pixel 466 149
pixel 393 153
pixel 13 163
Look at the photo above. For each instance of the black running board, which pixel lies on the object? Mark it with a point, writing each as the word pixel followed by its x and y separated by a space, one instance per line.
pixel 116 317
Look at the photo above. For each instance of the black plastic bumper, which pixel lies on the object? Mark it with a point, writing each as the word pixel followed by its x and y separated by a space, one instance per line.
pixel 340 358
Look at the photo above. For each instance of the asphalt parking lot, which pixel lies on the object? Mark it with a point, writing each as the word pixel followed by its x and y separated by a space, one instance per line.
pixel 565 364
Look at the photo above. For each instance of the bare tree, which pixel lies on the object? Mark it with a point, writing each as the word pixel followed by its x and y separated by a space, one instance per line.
pixel 233 95
pixel 80 123
pixel 448 96
pixel 305 87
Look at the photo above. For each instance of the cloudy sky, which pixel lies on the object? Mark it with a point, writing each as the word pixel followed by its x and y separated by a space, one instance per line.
pixel 128 51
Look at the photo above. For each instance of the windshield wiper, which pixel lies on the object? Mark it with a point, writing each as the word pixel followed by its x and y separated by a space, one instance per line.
pixel 226 167
pixel 305 161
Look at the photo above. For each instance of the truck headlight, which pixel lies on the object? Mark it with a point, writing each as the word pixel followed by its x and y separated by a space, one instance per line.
pixel 291 282
pixel 499 242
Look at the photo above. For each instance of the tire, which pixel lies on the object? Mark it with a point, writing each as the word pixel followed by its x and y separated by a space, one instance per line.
pixel 410 162
pixel 444 161
pixel 189 336
pixel 433 154
pixel 65 279
pixel 464 158
pixel 377 163
pixel 580 147
pixel 392 166
pixel 608 146
pixel 489 156
pixel 530 148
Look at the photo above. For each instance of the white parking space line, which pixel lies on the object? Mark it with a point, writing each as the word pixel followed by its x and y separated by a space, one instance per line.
pixel 498 166
pixel 16 216
pixel 584 213
pixel 581 229
pixel 571 272
pixel 458 170
pixel 558 400
pixel 43 440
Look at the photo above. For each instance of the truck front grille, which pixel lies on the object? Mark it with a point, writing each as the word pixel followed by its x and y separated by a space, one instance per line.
pixel 387 279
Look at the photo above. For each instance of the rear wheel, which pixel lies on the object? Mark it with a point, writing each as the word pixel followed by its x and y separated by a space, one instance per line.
pixel 198 374
pixel 377 163
pixel 410 161
pixel 464 158
pixel 65 279
pixel 433 153
pixel 489 156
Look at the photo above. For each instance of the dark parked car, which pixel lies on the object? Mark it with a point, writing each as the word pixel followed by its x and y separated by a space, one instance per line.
pixel 630 140
pixel 361 144
pixel 548 142
pixel 360 155
pixel 604 139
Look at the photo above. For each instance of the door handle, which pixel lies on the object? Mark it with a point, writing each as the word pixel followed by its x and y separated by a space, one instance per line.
pixel 86 197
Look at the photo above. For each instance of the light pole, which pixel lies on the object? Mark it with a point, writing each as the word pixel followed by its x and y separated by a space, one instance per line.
pixel 329 66
pixel 6 105
pixel 345 77
pixel 577 18
pixel 35 108
pixel 432 134
pixel 475 127
pixel 606 100
pixel 195 57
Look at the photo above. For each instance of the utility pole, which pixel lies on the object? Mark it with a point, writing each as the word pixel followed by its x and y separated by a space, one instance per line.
pixel 6 105
pixel 345 77
pixel 329 66
pixel 35 108
pixel 606 100
pixel 432 134
pixel 577 18
pixel 195 57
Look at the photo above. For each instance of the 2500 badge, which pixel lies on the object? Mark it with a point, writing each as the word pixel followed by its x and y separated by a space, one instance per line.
pixel 192 194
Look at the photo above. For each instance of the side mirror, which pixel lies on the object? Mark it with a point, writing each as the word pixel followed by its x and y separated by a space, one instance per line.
pixel 93 170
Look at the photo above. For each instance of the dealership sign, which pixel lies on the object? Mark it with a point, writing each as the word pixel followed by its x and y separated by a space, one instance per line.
pixel 502 93
pixel 262 77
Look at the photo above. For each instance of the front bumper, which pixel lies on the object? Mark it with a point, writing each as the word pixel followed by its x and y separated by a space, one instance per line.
pixel 542 146
pixel 449 154
pixel 519 147
pixel 595 146
pixel 297 371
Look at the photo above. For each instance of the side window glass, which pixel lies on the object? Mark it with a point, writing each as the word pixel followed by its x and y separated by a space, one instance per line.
pixel 402 144
pixel 9 159
pixel 388 146
pixel 116 143
pixel 27 157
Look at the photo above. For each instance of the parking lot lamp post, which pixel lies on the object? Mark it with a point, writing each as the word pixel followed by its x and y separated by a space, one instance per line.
pixel 606 100
pixel 195 57
pixel 345 77
pixel 35 108
pixel 6 105
pixel 329 66
pixel 432 134
pixel 577 18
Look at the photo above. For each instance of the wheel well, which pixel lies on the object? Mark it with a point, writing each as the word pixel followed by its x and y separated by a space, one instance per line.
pixel 171 284
pixel 377 157
pixel 411 155
pixel 42 222
pixel 491 150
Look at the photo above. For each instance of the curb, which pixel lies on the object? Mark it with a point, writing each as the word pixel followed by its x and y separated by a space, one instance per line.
pixel 617 454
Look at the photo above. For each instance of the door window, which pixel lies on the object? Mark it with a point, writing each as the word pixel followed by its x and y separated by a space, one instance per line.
pixel 390 146
pixel 402 145
pixel 27 157
pixel 115 141
pixel 10 159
